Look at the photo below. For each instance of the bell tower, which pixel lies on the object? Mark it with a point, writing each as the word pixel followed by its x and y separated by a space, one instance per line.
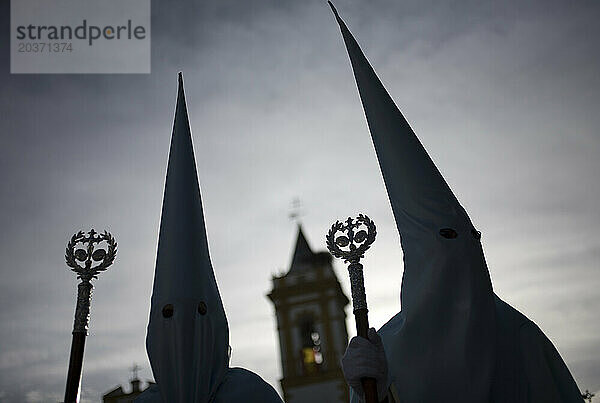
pixel 311 323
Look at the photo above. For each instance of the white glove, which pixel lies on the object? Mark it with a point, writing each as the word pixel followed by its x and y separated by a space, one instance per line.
pixel 366 359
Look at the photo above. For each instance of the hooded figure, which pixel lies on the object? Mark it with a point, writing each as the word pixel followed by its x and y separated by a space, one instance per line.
pixel 454 339
pixel 188 335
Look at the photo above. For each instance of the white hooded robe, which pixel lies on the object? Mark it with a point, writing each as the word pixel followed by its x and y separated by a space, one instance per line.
pixel 188 334
pixel 454 340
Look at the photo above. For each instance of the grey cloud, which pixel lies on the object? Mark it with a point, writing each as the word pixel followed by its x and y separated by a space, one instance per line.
pixel 503 95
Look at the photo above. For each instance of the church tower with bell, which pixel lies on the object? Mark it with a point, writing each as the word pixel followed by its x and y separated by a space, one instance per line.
pixel 311 324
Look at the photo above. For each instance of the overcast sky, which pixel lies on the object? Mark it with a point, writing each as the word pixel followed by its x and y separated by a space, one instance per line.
pixel 505 96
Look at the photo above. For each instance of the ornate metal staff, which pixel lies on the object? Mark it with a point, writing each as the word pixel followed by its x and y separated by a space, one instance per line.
pixel 90 253
pixel 356 237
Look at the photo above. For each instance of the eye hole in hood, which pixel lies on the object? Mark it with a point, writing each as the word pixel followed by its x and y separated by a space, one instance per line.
pixel 167 311
pixel 202 309
pixel 448 233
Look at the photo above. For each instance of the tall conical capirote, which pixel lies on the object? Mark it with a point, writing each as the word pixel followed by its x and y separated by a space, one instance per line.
pixel 188 335
pixel 440 347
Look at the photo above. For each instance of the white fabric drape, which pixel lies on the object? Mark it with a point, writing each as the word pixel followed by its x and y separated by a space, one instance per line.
pixel 454 340
pixel 188 334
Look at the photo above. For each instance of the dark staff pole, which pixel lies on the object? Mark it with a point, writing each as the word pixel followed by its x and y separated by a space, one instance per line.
pixel 89 254
pixel 356 237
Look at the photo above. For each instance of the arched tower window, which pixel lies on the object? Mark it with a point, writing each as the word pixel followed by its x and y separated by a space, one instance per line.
pixel 312 357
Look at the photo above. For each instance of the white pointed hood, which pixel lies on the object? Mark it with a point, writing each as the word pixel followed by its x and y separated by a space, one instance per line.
pixel 441 346
pixel 188 336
